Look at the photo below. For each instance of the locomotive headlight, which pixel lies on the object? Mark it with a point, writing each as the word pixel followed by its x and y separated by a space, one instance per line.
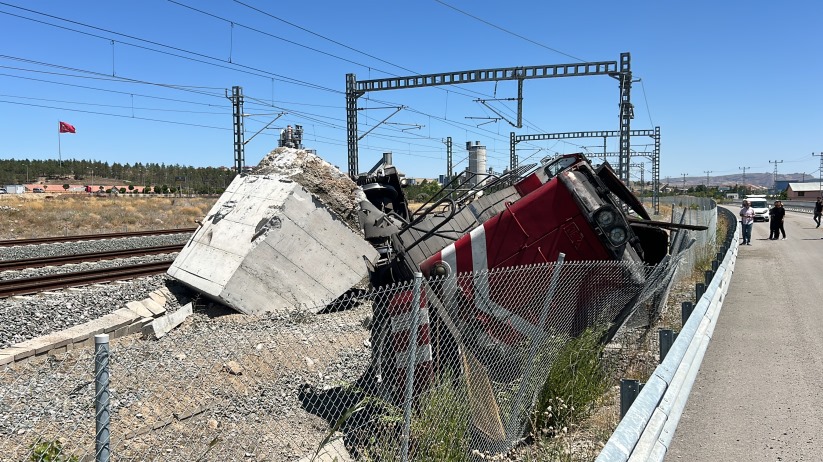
pixel 441 268
pixel 617 235
pixel 605 218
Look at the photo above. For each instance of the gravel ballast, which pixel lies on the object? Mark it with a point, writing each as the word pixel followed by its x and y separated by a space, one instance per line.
pixel 26 317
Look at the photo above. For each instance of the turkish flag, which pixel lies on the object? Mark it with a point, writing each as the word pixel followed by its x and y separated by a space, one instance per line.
pixel 67 128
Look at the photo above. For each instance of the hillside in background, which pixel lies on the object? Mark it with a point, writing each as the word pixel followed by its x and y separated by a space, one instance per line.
pixel 765 180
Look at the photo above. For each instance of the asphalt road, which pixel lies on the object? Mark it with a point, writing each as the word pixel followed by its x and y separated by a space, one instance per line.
pixel 759 393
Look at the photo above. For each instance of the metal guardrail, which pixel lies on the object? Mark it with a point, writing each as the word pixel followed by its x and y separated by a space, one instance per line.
pixel 646 431
pixel 799 208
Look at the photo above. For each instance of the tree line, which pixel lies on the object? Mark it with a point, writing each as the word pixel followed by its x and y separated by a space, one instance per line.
pixel 157 177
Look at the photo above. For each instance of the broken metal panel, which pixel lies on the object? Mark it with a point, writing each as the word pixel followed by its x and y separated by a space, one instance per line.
pixel 467 218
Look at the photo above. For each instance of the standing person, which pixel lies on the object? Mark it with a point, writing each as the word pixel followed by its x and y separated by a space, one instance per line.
pixel 776 214
pixel 818 211
pixel 747 220
pixel 782 214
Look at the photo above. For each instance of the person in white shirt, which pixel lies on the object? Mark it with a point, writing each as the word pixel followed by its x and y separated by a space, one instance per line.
pixel 747 220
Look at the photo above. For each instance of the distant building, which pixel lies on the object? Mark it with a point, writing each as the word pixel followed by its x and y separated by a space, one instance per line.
pixel 781 185
pixel 803 191
pixel 15 188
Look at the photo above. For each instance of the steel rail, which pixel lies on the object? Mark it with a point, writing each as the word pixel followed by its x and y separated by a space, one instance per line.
pixel 92 237
pixel 60 281
pixel 6 265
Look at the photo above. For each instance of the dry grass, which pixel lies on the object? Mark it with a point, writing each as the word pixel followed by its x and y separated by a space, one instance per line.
pixel 38 215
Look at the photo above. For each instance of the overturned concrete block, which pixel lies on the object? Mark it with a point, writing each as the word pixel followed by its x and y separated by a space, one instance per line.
pixel 279 240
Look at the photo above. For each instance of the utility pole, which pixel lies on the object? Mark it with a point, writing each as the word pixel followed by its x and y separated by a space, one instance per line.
pixel 239 144
pixel 707 172
pixel 745 188
pixel 684 181
pixel 449 170
pixel 820 174
pixel 642 167
pixel 774 177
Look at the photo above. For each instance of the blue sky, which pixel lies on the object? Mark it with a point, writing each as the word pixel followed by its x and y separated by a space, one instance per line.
pixel 730 84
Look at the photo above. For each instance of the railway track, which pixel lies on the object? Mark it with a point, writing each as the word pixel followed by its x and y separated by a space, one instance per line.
pixel 92 237
pixel 80 278
pixel 7 265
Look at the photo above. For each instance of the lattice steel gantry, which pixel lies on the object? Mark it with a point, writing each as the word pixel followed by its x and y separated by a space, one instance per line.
pixel 621 71
pixel 655 155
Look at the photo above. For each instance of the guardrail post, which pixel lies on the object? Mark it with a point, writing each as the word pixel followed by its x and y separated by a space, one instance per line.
pixel 707 277
pixel 629 389
pixel 667 337
pixel 699 290
pixel 102 412
pixel 715 265
pixel 686 309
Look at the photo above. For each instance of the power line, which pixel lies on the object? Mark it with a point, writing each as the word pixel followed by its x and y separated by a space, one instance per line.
pixel 506 30
pixel 107 90
pixel 268 74
pixel 113 105
pixel 535 43
pixel 235 23
pixel 106 77
pixel 325 38
pixel 99 76
pixel 134 38
pixel 185 88
pixel 280 77
pixel 316 50
pixel 460 125
pixel 117 115
pixel 646 100
pixel 350 48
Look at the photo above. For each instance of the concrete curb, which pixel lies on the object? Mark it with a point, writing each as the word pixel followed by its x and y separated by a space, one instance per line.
pixel 125 321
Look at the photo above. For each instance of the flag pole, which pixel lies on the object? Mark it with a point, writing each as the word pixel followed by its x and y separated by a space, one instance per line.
pixel 59 149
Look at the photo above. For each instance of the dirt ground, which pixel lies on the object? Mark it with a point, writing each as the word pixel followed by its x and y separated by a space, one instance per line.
pixel 223 386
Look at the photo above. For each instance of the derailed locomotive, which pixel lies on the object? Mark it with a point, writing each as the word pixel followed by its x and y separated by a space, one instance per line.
pixel 464 239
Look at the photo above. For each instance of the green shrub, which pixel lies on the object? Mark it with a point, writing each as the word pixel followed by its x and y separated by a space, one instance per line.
pixel 50 451
pixel 440 424
pixel 575 382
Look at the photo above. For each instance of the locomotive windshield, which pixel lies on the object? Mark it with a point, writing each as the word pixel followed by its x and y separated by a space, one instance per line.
pixel 561 163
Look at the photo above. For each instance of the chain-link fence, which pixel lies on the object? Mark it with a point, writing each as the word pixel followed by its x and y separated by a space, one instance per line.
pixel 693 246
pixel 440 369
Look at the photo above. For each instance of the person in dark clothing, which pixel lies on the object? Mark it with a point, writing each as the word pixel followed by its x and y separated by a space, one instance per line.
pixel 776 215
pixel 782 215
pixel 818 211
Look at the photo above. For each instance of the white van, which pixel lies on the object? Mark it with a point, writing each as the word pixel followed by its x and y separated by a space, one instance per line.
pixel 761 207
